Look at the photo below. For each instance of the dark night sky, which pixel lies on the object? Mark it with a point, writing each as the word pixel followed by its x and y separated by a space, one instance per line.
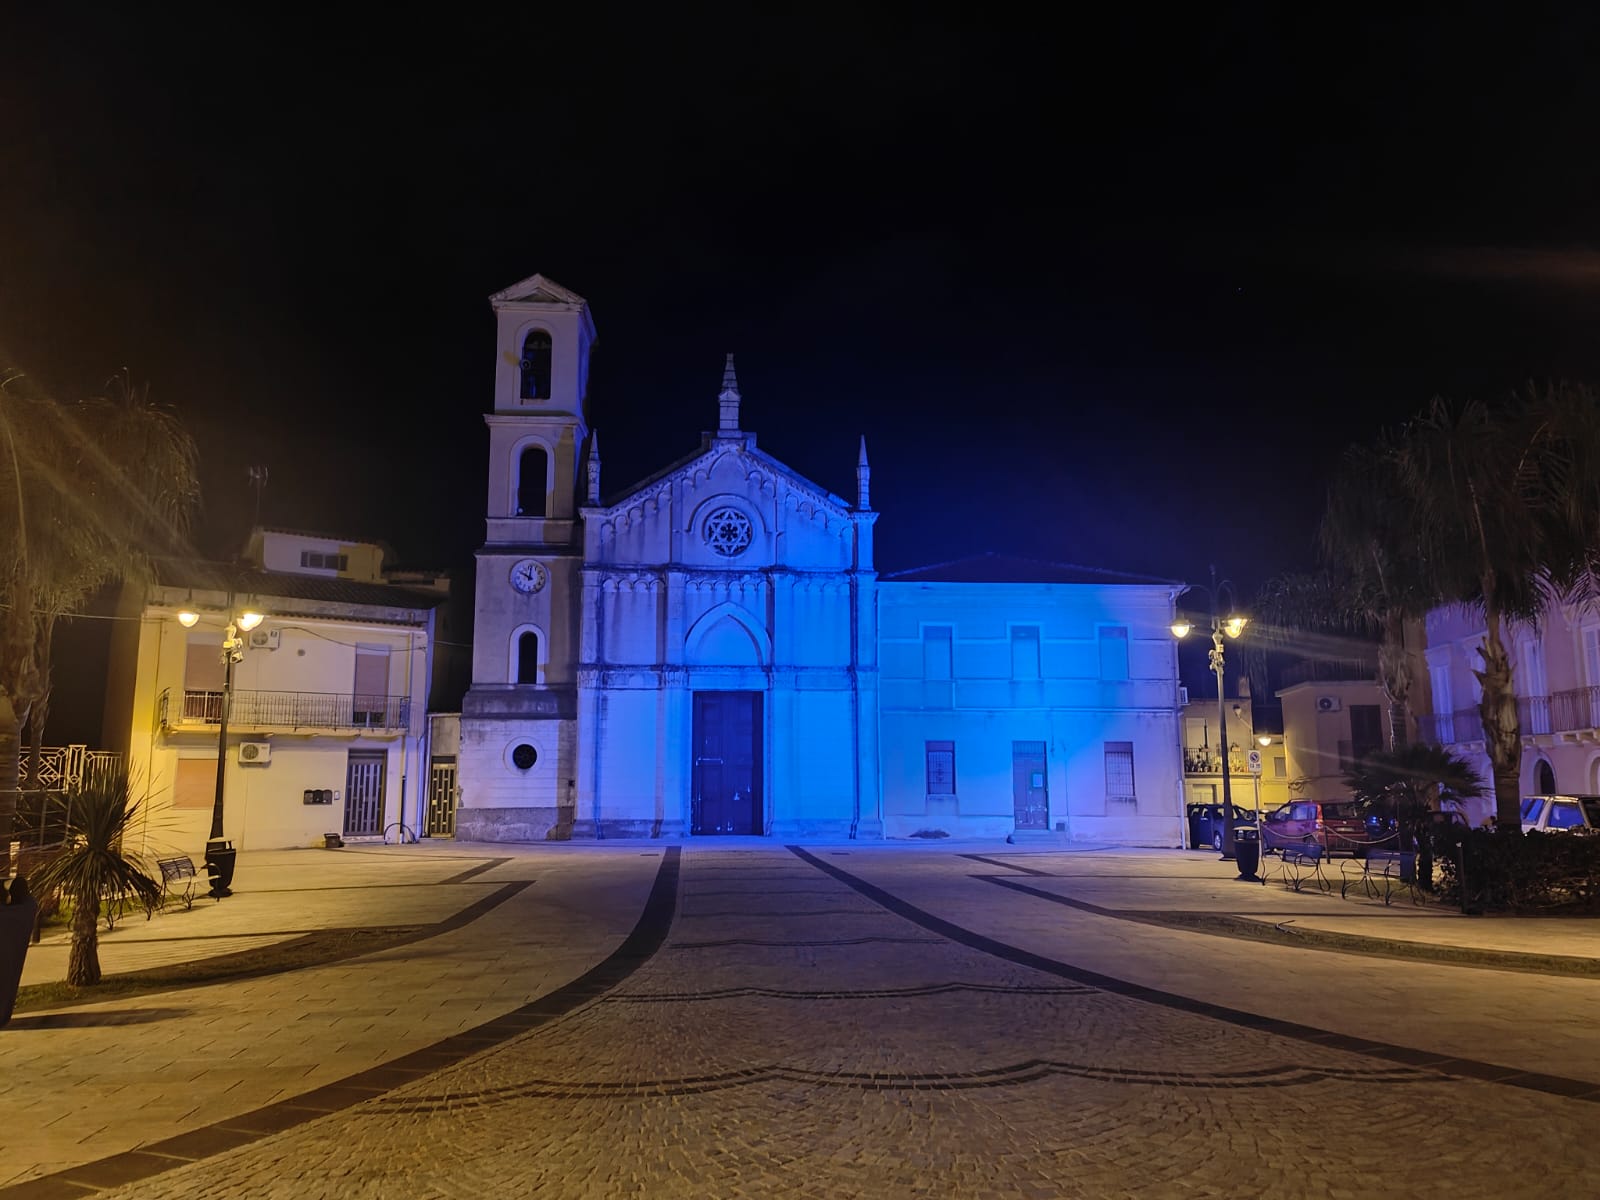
pixel 1112 292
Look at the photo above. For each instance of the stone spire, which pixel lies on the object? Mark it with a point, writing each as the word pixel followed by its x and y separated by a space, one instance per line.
pixel 728 401
pixel 863 479
pixel 594 468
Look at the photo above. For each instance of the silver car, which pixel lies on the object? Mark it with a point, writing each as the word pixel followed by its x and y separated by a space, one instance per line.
pixel 1557 814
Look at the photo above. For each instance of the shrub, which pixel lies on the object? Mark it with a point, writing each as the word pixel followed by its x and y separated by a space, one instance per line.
pixel 1532 872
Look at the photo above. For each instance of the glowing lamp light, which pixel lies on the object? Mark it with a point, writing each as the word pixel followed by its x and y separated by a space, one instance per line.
pixel 249 620
pixel 188 619
pixel 1234 626
pixel 1181 628
pixel 1264 740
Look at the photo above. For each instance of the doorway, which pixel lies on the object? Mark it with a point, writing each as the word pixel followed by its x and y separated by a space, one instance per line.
pixel 363 793
pixel 1029 792
pixel 727 764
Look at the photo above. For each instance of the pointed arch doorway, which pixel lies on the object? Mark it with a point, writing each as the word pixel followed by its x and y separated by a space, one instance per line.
pixel 727 764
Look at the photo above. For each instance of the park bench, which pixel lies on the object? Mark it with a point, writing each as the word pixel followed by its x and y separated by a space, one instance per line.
pixel 1301 862
pixel 1382 873
pixel 180 880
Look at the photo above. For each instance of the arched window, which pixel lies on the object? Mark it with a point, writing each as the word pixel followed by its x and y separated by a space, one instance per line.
pixel 536 366
pixel 533 471
pixel 528 658
pixel 1544 779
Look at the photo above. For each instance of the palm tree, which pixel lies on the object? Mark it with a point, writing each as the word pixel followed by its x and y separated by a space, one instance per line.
pixel 1494 508
pixel 1411 784
pixel 92 868
pixel 87 490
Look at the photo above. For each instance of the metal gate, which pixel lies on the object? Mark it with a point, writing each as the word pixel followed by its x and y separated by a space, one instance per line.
pixel 363 793
pixel 441 799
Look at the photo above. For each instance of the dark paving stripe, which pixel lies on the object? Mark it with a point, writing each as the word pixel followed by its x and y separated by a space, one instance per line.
pixel 490 865
pixel 194 1144
pixel 1008 863
pixel 1552 1085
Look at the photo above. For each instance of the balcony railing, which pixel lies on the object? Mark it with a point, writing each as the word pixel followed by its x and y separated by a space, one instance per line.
pixel 1577 708
pixel 1451 728
pixel 285 710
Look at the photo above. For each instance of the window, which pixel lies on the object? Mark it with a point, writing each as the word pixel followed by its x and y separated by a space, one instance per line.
pixel 194 784
pixel 941 768
pixel 528 658
pixel 323 561
pixel 1280 767
pixel 1544 779
pixel 370 692
pixel 1530 668
pixel 936 652
pixel 1113 652
pixel 536 366
pixel 1366 729
pixel 203 674
pixel 1119 774
pixel 1025 652
pixel 533 472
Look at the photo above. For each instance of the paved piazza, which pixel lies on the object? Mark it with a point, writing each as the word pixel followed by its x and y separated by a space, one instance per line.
pixel 780 1024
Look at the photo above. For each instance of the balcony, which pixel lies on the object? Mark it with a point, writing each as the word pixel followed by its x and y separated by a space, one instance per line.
pixel 1564 712
pixel 301 711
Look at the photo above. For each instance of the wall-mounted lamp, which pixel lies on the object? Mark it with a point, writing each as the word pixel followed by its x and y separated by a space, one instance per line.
pixel 188 619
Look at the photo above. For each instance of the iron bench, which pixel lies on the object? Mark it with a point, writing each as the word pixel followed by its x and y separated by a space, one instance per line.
pixel 1382 872
pixel 1298 863
pixel 179 879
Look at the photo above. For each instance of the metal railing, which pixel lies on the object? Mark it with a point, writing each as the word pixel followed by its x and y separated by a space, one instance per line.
pixel 285 710
pixel 44 804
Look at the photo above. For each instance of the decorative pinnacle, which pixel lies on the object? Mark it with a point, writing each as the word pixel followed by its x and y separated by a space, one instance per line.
pixel 863 479
pixel 593 491
pixel 728 401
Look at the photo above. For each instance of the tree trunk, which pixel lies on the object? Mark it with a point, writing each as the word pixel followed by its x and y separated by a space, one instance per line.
pixel 1502 733
pixel 83 961
pixel 9 735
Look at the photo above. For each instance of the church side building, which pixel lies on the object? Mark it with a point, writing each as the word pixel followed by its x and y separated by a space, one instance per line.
pixel 699 654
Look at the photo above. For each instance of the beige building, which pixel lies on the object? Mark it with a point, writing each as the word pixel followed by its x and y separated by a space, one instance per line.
pixel 326 698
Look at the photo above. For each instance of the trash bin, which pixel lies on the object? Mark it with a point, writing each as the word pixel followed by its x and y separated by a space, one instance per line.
pixel 220 856
pixel 1247 851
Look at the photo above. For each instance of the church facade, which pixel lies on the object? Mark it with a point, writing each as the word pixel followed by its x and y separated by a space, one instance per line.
pixel 711 652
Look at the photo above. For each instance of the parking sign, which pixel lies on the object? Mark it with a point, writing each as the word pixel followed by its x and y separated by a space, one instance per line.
pixel 1254 760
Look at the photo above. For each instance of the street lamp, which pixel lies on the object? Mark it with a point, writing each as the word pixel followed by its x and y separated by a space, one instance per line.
pixel 1232 625
pixel 220 853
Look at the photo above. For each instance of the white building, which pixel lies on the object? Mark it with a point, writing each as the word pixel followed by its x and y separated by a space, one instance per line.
pixel 1555 669
pixel 711 651
pixel 327 698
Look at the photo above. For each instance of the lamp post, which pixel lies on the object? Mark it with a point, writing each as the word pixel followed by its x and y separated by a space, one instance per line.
pixel 220 854
pixel 1232 625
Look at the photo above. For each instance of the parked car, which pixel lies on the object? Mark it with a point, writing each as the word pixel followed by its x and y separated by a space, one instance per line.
pixel 1335 826
pixel 1205 824
pixel 1555 814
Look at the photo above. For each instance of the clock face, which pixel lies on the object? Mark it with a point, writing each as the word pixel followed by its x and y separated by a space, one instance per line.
pixel 528 576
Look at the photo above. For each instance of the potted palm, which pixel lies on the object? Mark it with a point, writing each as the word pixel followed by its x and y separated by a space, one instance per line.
pixel 93 868
pixel 17 911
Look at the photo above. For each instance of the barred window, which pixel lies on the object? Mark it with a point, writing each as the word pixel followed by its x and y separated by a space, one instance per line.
pixel 941 768
pixel 1119 774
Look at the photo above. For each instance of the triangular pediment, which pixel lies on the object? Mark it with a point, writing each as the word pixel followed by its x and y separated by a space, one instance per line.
pixel 536 289
pixel 756 466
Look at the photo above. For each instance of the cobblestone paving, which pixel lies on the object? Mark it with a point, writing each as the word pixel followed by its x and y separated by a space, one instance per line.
pixel 791 1038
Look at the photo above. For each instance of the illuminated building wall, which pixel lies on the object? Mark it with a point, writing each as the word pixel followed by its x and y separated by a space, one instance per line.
pixel 699 654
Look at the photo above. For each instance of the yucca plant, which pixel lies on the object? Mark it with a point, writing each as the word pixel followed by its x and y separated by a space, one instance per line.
pixel 92 867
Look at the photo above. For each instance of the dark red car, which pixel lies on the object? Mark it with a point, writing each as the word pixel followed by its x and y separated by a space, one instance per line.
pixel 1335 826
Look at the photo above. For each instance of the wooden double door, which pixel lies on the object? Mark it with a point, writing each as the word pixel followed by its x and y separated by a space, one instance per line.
pixel 727 764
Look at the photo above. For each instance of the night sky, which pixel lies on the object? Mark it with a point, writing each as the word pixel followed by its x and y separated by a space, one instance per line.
pixel 1113 292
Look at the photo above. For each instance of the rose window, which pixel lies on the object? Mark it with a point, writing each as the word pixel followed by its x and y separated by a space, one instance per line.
pixel 727 531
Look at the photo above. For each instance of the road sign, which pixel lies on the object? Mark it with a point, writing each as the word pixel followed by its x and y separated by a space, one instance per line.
pixel 1254 759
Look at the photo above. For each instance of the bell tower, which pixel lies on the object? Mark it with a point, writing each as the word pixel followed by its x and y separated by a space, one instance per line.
pixel 543 337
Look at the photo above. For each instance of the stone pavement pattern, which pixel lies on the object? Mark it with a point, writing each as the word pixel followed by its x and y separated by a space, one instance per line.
pixel 793 1037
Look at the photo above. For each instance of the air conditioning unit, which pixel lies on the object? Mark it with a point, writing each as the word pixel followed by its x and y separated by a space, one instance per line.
pixel 1183 696
pixel 1329 704
pixel 264 639
pixel 255 753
